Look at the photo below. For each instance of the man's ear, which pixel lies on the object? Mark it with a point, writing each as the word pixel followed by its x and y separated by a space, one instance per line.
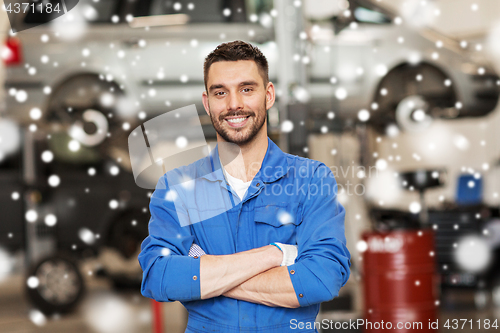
pixel 204 99
pixel 270 95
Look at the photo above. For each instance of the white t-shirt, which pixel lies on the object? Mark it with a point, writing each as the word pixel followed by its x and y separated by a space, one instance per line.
pixel 236 184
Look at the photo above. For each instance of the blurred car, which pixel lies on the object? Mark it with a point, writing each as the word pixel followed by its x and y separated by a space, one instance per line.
pixel 395 72
pixel 62 206
pixel 148 55
pixel 90 76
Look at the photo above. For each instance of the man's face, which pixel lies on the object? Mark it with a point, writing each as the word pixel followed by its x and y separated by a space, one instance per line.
pixel 237 100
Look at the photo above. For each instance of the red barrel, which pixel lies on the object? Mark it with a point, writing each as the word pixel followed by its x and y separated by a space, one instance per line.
pixel 400 281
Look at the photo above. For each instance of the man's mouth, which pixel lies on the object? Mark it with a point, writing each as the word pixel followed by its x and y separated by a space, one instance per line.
pixel 237 121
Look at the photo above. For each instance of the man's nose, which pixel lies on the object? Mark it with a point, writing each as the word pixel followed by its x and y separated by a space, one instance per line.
pixel 235 102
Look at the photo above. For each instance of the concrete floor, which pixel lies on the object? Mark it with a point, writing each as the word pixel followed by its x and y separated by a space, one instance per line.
pixel 106 311
pixel 102 310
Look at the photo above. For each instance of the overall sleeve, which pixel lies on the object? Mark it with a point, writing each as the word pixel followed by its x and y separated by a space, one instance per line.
pixel 323 262
pixel 169 274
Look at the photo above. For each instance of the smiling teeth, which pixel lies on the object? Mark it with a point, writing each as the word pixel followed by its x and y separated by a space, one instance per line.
pixel 236 120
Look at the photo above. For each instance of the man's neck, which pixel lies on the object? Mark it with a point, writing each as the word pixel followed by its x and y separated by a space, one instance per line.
pixel 249 159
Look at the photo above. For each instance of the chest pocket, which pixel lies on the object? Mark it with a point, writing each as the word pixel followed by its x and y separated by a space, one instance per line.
pixel 277 223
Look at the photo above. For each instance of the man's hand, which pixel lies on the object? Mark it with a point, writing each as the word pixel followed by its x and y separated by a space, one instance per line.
pixel 220 273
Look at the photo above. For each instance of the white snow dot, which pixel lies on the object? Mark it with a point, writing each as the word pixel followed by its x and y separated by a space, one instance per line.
pixel 363 115
pixel 287 126
pixel 177 6
pixel 47 90
pixel 181 142
pixel 32 282
pixel 44 38
pixel 184 78
pixel 114 170
pixel 32 71
pixel 415 207
pixel 383 92
pixel 330 115
pixel 74 145
pixel 54 180
pixel 31 215
pixel 142 43
pixel 44 59
pixel 50 220
pixel 474 7
pixel 21 96
pixel 35 113
pixel 226 12
pixel 113 204
pixel 85 52
pixel 91 171
pixel 341 93
pixel 47 156
pixel 86 235
pixel 418 115
pixel 15 195
pixel 361 246
pixel 115 19
pixel 381 164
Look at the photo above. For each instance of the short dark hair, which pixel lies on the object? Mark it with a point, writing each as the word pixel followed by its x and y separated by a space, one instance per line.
pixel 234 51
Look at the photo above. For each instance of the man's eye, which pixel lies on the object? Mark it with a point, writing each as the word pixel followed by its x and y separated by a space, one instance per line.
pixel 219 93
pixel 247 89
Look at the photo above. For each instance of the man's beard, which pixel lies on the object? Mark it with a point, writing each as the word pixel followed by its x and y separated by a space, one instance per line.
pixel 243 135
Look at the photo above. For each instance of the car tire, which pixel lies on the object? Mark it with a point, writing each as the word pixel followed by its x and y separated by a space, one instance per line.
pixel 422 84
pixel 126 237
pixel 87 108
pixel 55 285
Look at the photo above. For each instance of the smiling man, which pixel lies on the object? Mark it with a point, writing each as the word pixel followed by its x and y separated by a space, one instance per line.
pixel 277 249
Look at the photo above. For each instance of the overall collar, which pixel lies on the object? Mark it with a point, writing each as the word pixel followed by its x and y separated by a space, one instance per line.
pixel 274 165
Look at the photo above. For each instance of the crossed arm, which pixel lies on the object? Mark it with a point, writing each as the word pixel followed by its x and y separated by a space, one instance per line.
pixel 253 276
